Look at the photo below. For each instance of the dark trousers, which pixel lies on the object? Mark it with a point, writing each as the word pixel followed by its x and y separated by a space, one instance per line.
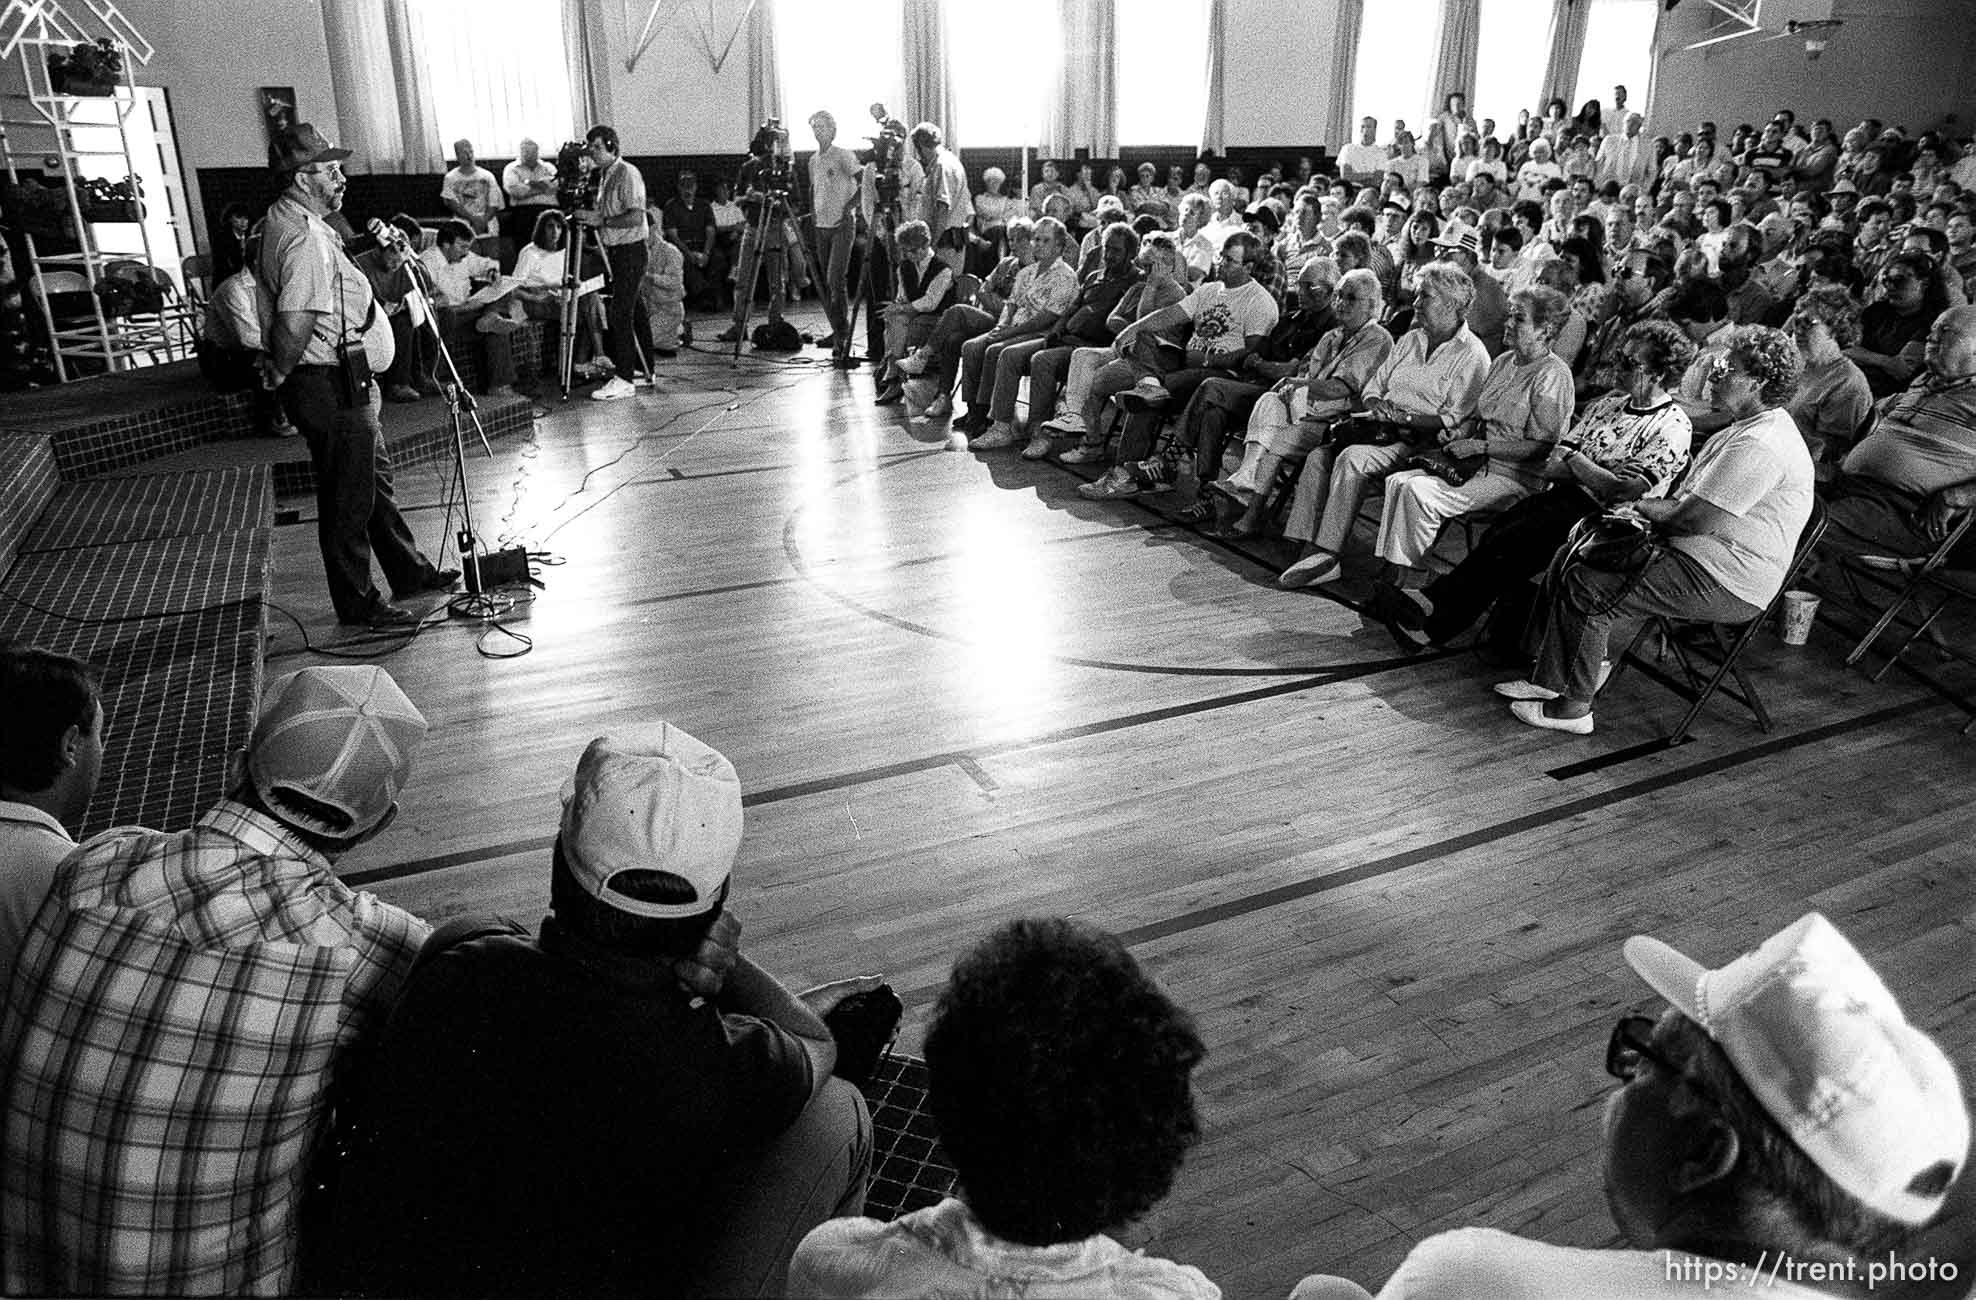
pixel 412 366
pixel 1135 443
pixel 498 368
pixel 627 263
pixel 1515 549
pixel 877 292
pixel 356 509
pixel 1216 405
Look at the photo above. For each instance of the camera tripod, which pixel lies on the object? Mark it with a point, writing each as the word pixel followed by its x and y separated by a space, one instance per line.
pixel 766 241
pixel 575 286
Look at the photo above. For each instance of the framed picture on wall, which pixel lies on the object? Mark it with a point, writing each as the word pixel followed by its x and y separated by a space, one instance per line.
pixel 277 112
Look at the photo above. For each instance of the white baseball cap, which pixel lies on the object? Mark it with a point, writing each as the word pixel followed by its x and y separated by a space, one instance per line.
pixel 341 738
pixel 652 799
pixel 1823 1046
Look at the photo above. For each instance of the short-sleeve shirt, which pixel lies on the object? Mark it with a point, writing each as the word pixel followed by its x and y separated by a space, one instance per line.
pixel 1650 444
pixel 1039 292
pixel 477 192
pixel 1444 384
pixel 303 269
pixel 452 282
pixel 1352 361
pixel 32 842
pixel 948 185
pixel 1832 401
pixel 1924 440
pixel 517 176
pixel 167 1081
pixel 1758 472
pixel 536 265
pixel 1523 402
pixel 1485 1262
pixel 691 222
pixel 621 190
pixel 833 183
pixel 1225 319
pixel 1362 160
pixel 545 1117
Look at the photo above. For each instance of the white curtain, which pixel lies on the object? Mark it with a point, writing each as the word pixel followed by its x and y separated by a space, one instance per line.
pixel 1214 130
pixel 585 57
pixel 764 73
pixel 929 89
pixel 1454 67
pixel 1339 128
pixel 384 103
pixel 1568 18
pixel 1083 113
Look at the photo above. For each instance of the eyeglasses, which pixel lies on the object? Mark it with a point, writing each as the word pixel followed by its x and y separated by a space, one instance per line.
pixel 1722 369
pixel 1631 1043
pixel 325 169
pixel 1633 365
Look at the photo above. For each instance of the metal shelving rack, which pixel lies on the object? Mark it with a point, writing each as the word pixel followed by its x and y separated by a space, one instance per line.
pixel 37 123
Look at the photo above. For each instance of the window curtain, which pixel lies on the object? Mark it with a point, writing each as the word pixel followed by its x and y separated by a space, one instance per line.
pixel 929 90
pixel 1568 19
pixel 384 105
pixel 764 73
pixel 1214 131
pixel 586 58
pixel 1339 128
pixel 1459 44
pixel 1083 113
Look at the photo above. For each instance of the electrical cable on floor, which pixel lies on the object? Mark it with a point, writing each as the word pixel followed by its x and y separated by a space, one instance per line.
pixel 81 620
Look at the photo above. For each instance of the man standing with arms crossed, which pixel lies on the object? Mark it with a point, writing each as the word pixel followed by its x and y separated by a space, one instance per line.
pixel 326 338
pixel 619 219
pixel 834 200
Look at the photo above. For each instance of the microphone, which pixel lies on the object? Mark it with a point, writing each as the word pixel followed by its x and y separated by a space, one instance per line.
pixel 386 233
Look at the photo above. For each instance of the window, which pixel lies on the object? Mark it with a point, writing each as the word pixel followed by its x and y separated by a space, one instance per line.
pixel 1162 72
pixel 498 71
pixel 839 55
pixel 1003 60
pixel 1395 65
pixel 1509 61
pixel 1619 51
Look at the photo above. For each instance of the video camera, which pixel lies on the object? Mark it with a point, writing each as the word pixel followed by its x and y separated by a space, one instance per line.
pixel 771 145
pixel 576 177
pixel 888 154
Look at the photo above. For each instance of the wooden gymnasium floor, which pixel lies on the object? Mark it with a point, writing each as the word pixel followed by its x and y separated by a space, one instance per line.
pixel 958 693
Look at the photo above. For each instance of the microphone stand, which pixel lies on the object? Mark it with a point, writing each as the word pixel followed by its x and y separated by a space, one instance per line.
pixel 461 407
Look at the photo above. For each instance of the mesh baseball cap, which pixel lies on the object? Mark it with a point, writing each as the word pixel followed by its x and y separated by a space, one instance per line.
pixel 652 799
pixel 1822 1045
pixel 342 739
pixel 301 145
pixel 1459 234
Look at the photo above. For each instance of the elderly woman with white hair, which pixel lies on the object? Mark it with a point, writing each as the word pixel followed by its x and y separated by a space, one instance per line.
pixel 1428 386
pixel 1196 249
pixel 1292 418
pixel 994 208
pixel 1523 409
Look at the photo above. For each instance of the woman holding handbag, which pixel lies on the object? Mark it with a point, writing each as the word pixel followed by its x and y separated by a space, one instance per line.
pixel 1493 460
pixel 1729 531
pixel 1626 445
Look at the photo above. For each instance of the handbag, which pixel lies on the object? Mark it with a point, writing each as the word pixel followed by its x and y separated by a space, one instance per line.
pixel 1452 470
pixel 1353 430
pixel 1622 544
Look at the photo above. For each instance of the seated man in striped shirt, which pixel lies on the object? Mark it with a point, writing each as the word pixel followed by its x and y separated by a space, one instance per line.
pixel 184 1008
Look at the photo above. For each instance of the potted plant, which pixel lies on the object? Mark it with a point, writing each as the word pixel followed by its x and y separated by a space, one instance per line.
pixel 87 69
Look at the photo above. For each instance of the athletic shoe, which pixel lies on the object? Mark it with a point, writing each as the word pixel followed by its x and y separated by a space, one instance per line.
pixel 999 436
pixel 1082 455
pixel 1066 426
pixel 940 407
pixel 1116 483
pixel 915 362
pixel 613 391
pixel 1038 448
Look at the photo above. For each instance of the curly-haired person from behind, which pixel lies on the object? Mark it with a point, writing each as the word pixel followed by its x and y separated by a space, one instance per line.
pixel 1060 1079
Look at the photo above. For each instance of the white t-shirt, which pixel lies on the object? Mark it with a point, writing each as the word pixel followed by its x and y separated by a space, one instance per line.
pixel 477 191
pixel 537 265
pixel 1483 1262
pixel 1362 160
pixel 1530 178
pixel 1224 318
pixel 518 177
pixel 1759 472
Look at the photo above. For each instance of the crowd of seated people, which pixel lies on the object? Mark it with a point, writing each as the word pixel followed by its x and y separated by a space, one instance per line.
pixel 1564 320
pixel 224 1071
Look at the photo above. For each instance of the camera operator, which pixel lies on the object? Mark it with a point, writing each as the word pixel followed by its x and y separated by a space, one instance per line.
pixel 834 192
pixel 949 207
pixel 890 188
pixel 763 186
pixel 619 219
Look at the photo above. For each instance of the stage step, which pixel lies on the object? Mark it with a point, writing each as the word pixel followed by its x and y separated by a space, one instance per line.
pixel 127 418
pixel 28 482
pixel 145 506
pixel 414 433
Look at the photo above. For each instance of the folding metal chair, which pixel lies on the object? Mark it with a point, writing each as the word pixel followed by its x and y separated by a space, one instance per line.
pixel 1922 590
pixel 1724 647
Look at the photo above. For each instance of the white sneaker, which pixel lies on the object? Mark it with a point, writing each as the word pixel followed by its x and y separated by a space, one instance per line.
pixel 915 362
pixel 941 407
pixel 1066 426
pixel 999 435
pixel 1038 448
pixel 617 388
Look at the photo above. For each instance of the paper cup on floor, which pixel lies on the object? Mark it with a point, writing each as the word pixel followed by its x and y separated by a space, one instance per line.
pixel 1799 609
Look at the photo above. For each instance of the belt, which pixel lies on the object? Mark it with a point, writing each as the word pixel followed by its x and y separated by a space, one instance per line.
pixel 313 365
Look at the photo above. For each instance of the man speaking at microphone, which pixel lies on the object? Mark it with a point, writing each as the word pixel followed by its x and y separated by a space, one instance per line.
pixel 326 339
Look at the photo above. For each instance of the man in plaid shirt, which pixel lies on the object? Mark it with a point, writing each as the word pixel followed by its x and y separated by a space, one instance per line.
pixel 184 1004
